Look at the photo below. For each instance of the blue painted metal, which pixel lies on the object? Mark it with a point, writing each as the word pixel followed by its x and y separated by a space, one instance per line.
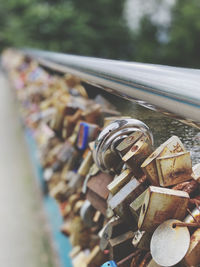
pixel 109 264
pixel 83 136
pixel 62 243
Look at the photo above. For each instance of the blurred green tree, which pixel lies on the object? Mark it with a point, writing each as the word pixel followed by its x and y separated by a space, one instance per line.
pixel 181 42
pixel 184 35
pixel 97 28
pixel 94 28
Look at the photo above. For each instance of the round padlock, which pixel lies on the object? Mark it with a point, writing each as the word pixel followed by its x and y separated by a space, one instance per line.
pixel 104 153
pixel 169 243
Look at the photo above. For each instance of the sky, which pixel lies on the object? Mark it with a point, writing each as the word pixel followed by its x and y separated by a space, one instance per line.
pixel 159 12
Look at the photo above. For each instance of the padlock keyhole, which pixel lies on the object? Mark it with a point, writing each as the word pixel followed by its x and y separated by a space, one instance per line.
pixel 143 208
pixel 173 225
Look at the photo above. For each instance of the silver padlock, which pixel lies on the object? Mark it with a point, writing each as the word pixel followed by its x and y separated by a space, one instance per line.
pixel 104 153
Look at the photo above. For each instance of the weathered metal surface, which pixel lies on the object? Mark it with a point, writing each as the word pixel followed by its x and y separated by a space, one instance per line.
pixel 169 245
pixel 141 240
pixel 192 258
pixel 137 154
pixel 113 228
pixel 120 181
pixel 174 169
pixel 159 206
pixel 136 205
pixel 128 142
pixel 121 200
pixel 121 246
pixel 171 146
pixel 194 216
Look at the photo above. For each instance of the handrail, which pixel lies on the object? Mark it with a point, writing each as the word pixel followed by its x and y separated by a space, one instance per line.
pixel 171 90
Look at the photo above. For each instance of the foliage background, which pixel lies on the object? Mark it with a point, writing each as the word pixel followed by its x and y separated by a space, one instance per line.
pixel 98 28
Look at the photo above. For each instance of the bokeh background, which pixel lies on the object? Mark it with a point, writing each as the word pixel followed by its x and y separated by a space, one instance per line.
pixel 156 31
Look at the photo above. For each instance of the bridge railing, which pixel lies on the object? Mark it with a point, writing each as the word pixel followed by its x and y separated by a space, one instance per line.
pixel 173 91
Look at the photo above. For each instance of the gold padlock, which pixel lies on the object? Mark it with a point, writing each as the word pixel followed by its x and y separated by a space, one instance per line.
pixel 119 181
pixel 172 146
pixel 174 169
pixel 161 204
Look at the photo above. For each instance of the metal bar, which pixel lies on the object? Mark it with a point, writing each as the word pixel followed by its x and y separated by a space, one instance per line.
pixel 170 90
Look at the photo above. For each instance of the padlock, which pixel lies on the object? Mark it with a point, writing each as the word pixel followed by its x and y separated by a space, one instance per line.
pixel 174 169
pixel 141 240
pixel 137 154
pixel 80 258
pixel 77 207
pixel 87 133
pixel 80 234
pixel 71 164
pixel 96 257
pixel 109 264
pixel 74 252
pixel 112 229
pixel 73 137
pixel 56 122
pixel 169 243
pixel 119 181
pixel 52 155
pixel 159 206
pixel 65 152
pixel 94 170
pixel 120 202
pixel 121 246
pixel 136 205
pixel 104 153
pixel 69 123
pixel 94 239
pixel 85 164
pixel 128 142
pixel 87 213
pixel 75 183
pixel 59 192
pixel 97 192
pixel 172 146
pixel 71 80
pixel 192 258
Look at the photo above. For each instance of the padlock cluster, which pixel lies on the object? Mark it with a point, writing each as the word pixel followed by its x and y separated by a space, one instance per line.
pixel 124 203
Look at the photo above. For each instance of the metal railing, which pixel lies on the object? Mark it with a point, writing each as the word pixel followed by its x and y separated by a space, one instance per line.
pixel 170 90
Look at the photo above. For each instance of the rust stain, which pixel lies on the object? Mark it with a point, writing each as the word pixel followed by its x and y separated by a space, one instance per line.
pixel 177 148
pixel 134 148
pixel 197 217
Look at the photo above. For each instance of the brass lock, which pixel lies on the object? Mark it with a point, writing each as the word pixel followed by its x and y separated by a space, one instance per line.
pixel 105 154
